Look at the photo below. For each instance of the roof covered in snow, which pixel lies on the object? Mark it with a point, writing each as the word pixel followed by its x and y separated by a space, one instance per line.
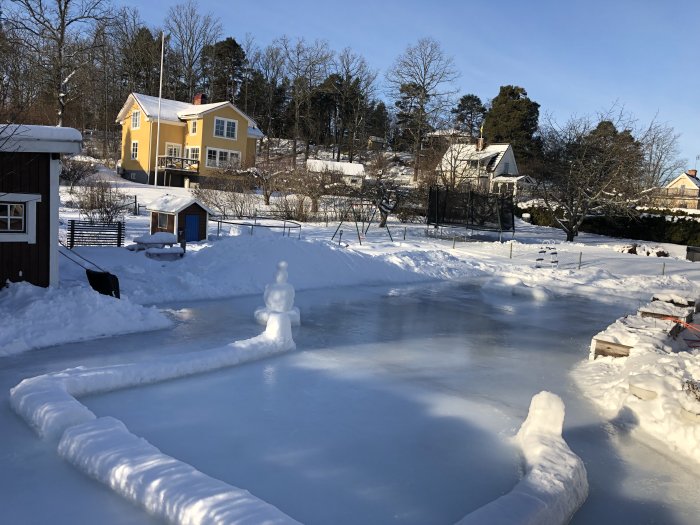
pixel 353 169
pixel 176 111
pixel 458 154
pixel 175 204
pixel 692 181
pixel 39 139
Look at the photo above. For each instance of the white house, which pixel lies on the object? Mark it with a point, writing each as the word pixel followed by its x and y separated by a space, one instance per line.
pixel 352 173
pixel 477 165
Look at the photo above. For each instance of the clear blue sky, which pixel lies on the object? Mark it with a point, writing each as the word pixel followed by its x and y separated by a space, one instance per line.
pixel 573 57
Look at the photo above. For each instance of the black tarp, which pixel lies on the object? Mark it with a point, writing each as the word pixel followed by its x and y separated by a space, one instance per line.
pixel 474 210
pixel 103 282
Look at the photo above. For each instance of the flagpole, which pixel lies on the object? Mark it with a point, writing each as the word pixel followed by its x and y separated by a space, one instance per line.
pixel 160 96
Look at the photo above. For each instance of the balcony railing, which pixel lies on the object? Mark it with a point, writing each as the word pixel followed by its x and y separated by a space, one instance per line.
pixel 166 162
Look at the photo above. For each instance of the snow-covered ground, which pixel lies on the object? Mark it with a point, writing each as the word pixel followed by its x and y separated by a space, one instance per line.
pixel 157 296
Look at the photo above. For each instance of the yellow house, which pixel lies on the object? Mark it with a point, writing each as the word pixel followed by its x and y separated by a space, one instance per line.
pixel 196 139
pixel 681 192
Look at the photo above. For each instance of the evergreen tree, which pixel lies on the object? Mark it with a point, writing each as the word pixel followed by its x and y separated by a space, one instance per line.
pixel 513 118
pixel 469 115
pixel 223 66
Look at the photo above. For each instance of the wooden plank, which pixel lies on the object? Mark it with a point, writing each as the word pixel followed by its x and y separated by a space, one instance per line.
pixel 607 348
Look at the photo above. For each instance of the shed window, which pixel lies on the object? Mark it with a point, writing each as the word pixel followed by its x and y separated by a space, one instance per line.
pixel 163 221
pixel 11 217
pixel 135 120
pixel 18 217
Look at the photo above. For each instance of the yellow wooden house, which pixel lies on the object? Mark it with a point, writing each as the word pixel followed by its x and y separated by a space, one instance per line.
pixel 196 140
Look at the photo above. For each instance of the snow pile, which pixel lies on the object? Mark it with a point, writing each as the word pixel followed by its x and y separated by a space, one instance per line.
pixel 649 392
pixel 556 483
pixel 642 249
pixel 104 448
pixel 167 488
pixel 642 334
pixel 51 316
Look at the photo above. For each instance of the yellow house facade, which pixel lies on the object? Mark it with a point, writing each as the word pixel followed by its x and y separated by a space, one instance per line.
pixel 195 140
pixel 681 192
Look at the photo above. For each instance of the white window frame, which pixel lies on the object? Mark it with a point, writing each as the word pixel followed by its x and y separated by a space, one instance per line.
pixel 134 143
pixel 173 145
pixel 229 152
pixel 226 121
pixel 190 149
pixel 193 127
pixel 135 118
pixel 29 200
pixel 161 215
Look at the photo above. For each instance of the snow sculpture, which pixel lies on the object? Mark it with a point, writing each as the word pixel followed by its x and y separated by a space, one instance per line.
pixel 279 298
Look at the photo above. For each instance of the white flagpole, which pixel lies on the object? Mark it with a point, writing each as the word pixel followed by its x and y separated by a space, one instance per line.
pixel 160 96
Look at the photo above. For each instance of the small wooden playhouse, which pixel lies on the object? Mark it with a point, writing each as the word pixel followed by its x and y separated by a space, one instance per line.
pixel 183 216
pixel 29 170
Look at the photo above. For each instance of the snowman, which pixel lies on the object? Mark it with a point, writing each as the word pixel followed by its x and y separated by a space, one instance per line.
pixel 279 298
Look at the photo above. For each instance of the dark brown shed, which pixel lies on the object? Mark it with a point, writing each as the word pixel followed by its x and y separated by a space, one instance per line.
pixel 183 216
pixel 29 201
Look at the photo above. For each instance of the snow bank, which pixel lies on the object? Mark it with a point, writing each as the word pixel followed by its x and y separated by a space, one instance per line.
pixel 104 449
pixel 46 402
pixel 648 392
pixel 167 488
pixel 49 316
pixel 555 484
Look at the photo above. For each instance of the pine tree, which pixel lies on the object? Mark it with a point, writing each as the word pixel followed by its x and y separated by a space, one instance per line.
pixel 223 66
pixel 513 118
pixel 469 115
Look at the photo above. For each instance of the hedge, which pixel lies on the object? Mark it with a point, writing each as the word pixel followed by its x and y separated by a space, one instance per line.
pixel 654 228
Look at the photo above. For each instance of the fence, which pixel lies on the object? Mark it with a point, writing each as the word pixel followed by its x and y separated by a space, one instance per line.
pixel 471 209
pixel 261 222
pixel 84 233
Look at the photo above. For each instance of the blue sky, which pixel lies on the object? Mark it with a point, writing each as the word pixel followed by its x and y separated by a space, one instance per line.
pixel 572 57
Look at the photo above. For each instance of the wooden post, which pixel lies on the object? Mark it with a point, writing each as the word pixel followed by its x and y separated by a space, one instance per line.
pixel 580 256
pixel 663 269
pixel 510 256
pixel 120 233
pixel 404 233
pixel 136 205
pixel 71 240
pixel 340 237
pixel 454 241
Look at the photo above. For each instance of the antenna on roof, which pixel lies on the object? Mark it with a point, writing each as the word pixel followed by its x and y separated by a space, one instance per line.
pixel 160 96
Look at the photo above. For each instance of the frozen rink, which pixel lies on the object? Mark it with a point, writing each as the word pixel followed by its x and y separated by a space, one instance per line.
pixel 396 407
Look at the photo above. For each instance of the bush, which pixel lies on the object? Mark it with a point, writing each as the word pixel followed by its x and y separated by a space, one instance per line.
pixel 75 172
pixel 99 201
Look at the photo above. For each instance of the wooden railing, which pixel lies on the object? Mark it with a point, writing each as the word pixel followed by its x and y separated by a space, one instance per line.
pixel 84 233
pixel 166 162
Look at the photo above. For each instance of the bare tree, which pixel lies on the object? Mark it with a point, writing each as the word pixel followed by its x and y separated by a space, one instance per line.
pixel 191 32
pixel 270 64
pixel 424 73
pixel 661 154
pixel 57 34
pixel 590 167
pixel 267 176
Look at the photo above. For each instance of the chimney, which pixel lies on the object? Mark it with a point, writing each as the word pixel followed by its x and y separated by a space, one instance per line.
pixel 692 173
pixel 480 144
pixel 199 99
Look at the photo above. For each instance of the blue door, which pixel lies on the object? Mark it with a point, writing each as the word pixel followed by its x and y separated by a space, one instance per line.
pixel 191 228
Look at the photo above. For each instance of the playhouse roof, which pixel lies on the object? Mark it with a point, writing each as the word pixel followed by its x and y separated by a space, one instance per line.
pixel 39 139
pixel 175 204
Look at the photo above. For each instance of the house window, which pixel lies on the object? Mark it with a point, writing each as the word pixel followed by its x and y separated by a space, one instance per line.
pixel 506 168
pixel 219 158
pixel 225 128
pixel 162 221
pixel 11 217
pixel 135 120
pixel 172 150
pixel 134 150
pixel 194 153
pixel 18 217
pixel 193 127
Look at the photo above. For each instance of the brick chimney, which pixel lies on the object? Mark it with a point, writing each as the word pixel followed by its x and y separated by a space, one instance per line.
pixel 480 144
pixel 692 173
pixel 199 99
